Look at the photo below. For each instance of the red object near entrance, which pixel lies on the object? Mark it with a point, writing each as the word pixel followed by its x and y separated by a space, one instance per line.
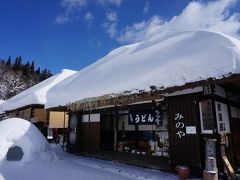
pixel 183 172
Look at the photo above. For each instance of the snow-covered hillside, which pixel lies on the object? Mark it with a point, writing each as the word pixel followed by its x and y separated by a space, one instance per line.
pixel 35 94
pixel 164 60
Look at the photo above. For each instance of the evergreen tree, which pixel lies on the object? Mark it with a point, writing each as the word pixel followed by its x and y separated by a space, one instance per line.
pixel 2 64
pixel 37 72
pixel 49 74
pixel 32 68
pixel 17 64
pixel 9 62
pixel 26 70
pixel 19 60
pixel 16 77
pixel 43 74
pixel 37 75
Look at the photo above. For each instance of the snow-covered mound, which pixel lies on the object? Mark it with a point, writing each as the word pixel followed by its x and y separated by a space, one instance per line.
pixel 35 94
pixel 21 133
pixel 164 60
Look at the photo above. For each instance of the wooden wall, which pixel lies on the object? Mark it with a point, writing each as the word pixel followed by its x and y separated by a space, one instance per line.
pixel 13 114
pixel 58 119
pixel 25 114
pixel 185 149
pixel 89 132
pixel 90 135
pixel 40 114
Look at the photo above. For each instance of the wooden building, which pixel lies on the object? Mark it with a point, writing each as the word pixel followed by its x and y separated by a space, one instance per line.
pixel 171 97
pixel 173 123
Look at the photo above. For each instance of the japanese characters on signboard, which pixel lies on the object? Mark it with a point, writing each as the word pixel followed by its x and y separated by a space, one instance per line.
pixel 222 117
pixel 179 125
pixel 207 118
pixel 145 117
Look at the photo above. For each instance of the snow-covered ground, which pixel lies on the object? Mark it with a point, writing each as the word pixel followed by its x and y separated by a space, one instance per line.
pixel 70 167
pixel 42 161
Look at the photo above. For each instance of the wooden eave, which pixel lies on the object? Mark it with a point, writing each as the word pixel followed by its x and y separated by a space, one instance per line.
pixel 26 107
pixel 231 83
pixel 59 108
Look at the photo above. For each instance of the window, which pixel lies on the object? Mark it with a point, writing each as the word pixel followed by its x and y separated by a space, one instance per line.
pixel 206 116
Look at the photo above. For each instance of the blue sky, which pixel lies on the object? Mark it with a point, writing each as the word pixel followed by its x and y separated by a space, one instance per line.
pixel 72 34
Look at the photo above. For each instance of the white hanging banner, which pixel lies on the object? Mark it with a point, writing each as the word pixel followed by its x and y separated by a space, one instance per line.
pixel 222 117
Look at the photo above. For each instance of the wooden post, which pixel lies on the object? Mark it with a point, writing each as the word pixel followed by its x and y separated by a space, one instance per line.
pixel 210 172
pixel 89 116
pixel 115 132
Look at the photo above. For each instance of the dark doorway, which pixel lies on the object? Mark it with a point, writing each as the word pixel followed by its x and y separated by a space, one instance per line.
pixel 236 138
pixel 15 154
pixel 107 132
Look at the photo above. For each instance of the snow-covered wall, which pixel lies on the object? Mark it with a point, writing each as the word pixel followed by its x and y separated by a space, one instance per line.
pixel 21 133
pixel 164 60
pixel 35 94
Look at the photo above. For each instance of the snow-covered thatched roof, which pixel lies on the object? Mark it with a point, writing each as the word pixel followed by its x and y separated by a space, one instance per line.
pixel 165 60
pixel 1 101
pixel 35 94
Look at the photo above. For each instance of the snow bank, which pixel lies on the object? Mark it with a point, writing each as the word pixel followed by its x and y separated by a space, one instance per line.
pixel 164 60
pixel 21 133
pixel 35 94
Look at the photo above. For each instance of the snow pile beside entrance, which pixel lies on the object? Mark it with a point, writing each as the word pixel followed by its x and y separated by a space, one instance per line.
pixel 21 133
pixel 35 94
pixel 164 60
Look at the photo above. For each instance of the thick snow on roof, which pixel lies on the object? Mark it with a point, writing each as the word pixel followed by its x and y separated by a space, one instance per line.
pixel 21 133
pixel 35 94
pixel 164 60
pixel 1 101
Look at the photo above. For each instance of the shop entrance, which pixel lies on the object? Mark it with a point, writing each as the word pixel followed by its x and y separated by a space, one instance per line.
pixel 143 132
